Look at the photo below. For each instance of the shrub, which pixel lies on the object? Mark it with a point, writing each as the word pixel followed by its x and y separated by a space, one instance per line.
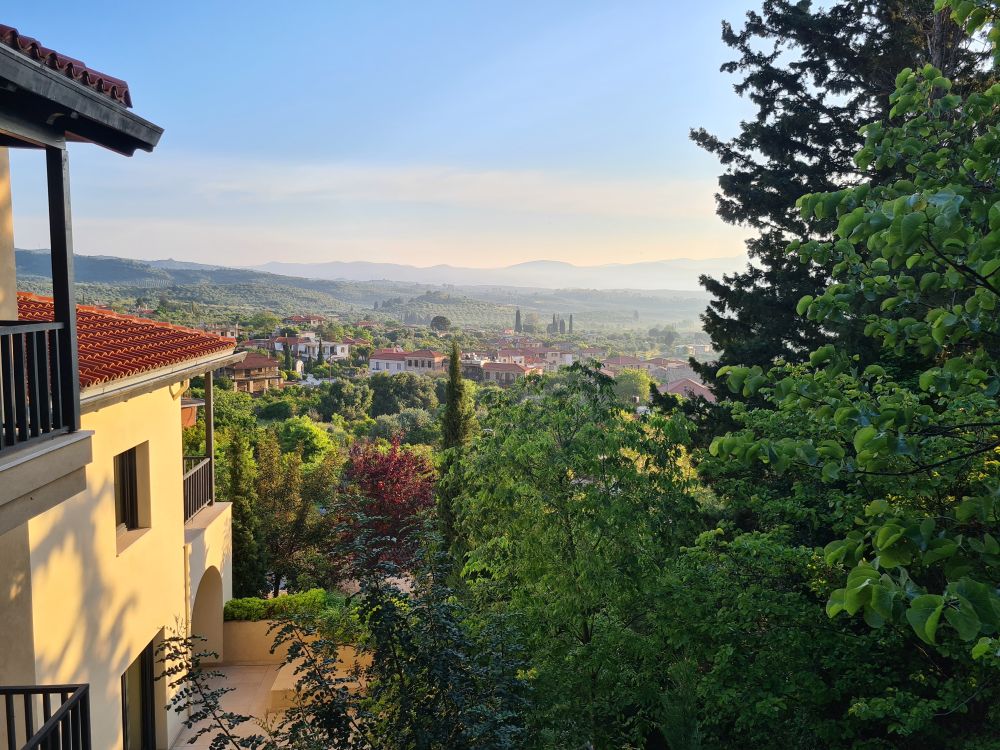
pixel 254 609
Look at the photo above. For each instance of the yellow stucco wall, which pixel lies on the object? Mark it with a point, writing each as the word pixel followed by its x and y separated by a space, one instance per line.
pixel 96 603
pixel 8 281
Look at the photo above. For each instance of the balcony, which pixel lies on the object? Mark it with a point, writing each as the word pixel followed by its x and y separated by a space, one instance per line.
pixel 32 383
pixel 42 453
pixel 198 489
pixel 46 717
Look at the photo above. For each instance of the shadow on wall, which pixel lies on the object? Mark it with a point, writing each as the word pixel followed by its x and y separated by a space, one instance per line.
pixel 86 618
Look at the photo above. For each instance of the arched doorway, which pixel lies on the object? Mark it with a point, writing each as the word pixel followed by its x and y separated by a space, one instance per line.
pixel 206 615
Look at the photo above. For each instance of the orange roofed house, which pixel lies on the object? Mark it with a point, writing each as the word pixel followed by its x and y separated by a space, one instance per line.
pixel 506 373
pixel 256 374
pixel 110 537
pixel 426 361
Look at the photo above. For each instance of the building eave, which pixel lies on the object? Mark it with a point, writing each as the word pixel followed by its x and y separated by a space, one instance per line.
pixel 105 394
pixel 64 108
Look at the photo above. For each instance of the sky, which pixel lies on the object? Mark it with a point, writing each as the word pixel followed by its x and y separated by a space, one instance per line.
pixel 469 133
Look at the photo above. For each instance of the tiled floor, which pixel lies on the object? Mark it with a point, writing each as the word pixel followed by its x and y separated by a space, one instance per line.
pixel 251 687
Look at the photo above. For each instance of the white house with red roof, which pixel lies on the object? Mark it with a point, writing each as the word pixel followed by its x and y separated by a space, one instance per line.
pixel 392 361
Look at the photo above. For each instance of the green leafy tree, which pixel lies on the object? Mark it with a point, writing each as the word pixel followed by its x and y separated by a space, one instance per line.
pixel 249 566
pixel 517 321
pixel 571 505
pixel 304 435
pixel 393 393
pixel 288 516
pixel 440 323
pixel 234 411
pixel 632 387
pixel 351 399
pixel 815 73
pixel 919 454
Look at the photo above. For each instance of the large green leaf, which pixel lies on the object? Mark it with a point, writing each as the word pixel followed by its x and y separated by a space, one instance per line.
pixel 924 614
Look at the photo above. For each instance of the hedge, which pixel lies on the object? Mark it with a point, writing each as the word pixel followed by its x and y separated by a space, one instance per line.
pixel 254 608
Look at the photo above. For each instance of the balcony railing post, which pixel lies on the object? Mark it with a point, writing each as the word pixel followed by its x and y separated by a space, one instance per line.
pixel 65 728
pixel 63 294
pixel 210 434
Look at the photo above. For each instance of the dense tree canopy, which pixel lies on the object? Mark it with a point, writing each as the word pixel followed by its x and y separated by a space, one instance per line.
pixel 815 73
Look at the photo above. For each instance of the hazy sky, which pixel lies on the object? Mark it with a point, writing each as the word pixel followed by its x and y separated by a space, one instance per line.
pixel 421 132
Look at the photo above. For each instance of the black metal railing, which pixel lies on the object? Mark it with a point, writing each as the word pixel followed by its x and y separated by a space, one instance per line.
pixel 31 388
pixel 45 717
pixel 197 484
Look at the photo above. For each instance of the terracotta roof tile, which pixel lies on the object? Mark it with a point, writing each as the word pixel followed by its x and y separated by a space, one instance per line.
pixel 113 346
pixel 113 88
pixel 256 361
pixel 389 354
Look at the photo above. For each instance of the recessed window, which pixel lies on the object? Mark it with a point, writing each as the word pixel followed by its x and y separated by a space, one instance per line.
pixel 126 491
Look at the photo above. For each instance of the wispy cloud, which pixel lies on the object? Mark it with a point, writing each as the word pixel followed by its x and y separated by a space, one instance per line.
pixel 242 212
pixel 506 190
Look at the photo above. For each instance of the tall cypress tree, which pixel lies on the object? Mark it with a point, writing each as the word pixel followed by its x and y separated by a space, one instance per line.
pixel 517 321
pixel 457 425
pixel 815 75
pixel 458 420
pixel 249 568
pixel 571 322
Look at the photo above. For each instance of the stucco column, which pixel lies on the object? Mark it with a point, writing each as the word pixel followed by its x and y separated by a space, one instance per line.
pixel 8 278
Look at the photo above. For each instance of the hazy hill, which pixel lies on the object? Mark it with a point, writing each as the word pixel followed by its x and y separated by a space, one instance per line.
pixel 109 280
pixel 679 274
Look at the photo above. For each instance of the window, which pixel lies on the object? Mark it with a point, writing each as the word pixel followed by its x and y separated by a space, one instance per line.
pixel 138 707
pixel 126 491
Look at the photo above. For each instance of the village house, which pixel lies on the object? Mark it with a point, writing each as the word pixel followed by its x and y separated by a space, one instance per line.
pixel 110 538
pixel 617 364
pixel 307 346
pixel 688 388
pixel 228 331
pixel 387 360
pixel 304 320
pixel 663 369
pixel 510 356
pixel 588 353
pixel 472 367
pixel 426 362
pixel 505 373
pixel 256 374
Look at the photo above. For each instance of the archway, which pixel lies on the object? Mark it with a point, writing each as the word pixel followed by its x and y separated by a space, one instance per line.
pixel 206 615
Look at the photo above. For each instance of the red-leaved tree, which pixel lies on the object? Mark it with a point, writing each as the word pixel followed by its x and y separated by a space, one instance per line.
pixel 390 486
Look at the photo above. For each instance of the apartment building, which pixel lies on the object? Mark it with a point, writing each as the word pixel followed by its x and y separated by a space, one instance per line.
pixel 110 539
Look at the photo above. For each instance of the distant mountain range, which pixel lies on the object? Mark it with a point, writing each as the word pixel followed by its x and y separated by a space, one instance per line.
pixel 679 274
pixel 490 299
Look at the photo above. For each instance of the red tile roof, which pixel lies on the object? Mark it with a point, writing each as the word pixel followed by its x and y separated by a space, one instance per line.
pixel 113 88
pixel 113 346
pixel 504 367
pixel 392 355
pixel 255 361
pixel 426 353
pixel 688 387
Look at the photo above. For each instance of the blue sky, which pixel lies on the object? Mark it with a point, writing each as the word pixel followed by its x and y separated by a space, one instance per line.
pixel 470 133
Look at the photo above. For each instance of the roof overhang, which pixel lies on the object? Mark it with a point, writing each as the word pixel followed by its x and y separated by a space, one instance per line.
pixel 45 108
pixel 105 394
